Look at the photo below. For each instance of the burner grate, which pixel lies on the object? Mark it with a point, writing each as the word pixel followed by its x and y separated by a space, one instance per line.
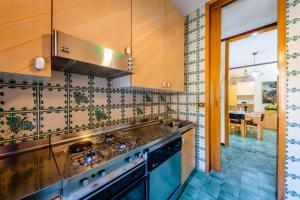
pixel 88 157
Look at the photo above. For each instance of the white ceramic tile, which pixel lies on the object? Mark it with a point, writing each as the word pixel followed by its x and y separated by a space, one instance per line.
pixel 174 98
pixel 18 98
pixel 100 99
pixel 100 83
pixel 162 108
pixel 192 88
pixel 97 119
pixel 128 98
pixel 79 98
pixel 182 116
pixel 139 98
pixel 53 121
pixel 291 197
pixel 115 99
pixel 293 184
pixel 294 63
pixel 293 98
pixel 192 47
pixel 77 80
pixel 192 78
pixel 155 98
pixel 12 130
pixel 293 81
pixel 57 79
pixel 128 113
pixel 79 118
pixel 293 133
pixel 193 99
pixel 182 108
pixel 293 150
pixel 192 118
pixel 116 114
pixel 182 98
pixel 17 79
pixel 155 109
pixel 293 115
pixel 148 110
pixel 53 98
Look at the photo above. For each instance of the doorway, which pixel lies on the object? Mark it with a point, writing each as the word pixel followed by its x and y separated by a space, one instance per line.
pixel 213 94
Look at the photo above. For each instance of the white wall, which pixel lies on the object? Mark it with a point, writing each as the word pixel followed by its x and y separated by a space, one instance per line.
pixel 269 74
pixel 265 44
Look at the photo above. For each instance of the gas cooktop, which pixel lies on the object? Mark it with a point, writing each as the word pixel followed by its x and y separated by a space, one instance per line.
pixel 91 152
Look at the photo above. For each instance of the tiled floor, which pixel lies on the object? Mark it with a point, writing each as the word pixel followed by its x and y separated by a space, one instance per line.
pixel 248 172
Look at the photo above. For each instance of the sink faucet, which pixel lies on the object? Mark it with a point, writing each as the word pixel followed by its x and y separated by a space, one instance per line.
pixel 167 114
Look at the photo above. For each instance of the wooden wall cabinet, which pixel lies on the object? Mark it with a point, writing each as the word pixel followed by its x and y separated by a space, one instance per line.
pixel 148 43
pixel 25 33
pixel 187 154
pixel 174 51
pixel 104 22
pixel 157 45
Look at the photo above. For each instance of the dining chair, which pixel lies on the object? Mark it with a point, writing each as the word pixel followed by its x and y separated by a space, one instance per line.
pixel 251 124
pixel 238 121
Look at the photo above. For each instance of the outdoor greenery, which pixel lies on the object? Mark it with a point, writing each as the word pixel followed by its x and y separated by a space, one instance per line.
pixel 271 107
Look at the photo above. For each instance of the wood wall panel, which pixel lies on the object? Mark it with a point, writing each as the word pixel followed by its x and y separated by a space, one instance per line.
pixel 105 22
pixel 282 87
pixel 25 28
pixel 215 103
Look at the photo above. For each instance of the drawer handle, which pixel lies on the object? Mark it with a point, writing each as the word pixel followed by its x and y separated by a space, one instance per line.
pixel 168 85
pixel 65 50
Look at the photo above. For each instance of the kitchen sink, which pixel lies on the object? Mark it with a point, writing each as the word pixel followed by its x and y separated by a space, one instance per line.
pixel 177 123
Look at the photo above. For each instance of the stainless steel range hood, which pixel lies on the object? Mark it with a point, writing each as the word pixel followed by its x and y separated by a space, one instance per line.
pixel 75 55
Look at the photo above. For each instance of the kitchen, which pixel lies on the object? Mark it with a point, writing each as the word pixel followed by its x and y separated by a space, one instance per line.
pixel 106 99
pixel 79 119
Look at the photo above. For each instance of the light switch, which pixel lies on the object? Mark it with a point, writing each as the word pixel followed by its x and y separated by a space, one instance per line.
pixel 201 104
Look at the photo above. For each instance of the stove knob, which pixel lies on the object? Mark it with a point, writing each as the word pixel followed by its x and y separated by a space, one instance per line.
pixel 84 182
pixel 102 173
pixel 129 159
pixel 145 155
pixel 139 154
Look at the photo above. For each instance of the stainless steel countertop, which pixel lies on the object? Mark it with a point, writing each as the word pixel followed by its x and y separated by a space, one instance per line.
pixel 30 167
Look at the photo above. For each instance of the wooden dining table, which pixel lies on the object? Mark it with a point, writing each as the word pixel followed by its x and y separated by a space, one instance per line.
pixel 255 117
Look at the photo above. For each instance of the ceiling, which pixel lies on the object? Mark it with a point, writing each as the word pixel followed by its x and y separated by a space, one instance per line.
pixel 240 51
pixel 245 15
pixel 238 17
pixel 188 6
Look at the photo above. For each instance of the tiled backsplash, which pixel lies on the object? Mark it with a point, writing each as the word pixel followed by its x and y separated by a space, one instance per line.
pixel 293 100
pixel 186 104
pixel 67 103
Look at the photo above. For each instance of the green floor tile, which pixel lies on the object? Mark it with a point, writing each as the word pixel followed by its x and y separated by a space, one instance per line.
pixel 248 172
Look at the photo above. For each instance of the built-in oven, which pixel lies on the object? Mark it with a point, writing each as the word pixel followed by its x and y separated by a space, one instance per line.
pixel 130 186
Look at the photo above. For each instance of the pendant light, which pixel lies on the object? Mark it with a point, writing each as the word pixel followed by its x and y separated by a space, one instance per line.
pixel 255 73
